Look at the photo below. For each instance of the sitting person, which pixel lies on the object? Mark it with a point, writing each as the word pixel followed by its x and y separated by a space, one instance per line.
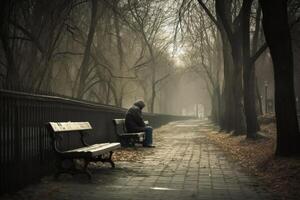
pixel 134 122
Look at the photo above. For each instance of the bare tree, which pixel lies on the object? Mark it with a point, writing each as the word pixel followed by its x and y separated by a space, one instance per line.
pixel 149 19
pixel 30 35
pixel 84 70
pixel 205 56
pixel 277 33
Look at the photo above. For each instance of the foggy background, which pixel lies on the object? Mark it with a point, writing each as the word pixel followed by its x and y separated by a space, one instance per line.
pixel 115 52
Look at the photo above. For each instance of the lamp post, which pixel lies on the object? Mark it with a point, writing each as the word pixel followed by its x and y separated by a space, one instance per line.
pixel 266 97
pixel 261 105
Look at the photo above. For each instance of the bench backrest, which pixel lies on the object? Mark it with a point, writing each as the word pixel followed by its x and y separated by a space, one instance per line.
pixel 122 122
pixel 120 127
pixel 69 126
pixel 119 121
pixel 58 129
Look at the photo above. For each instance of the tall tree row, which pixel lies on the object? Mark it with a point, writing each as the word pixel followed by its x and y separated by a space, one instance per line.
pixel 92 50
pixel 242 42
pixel 276 29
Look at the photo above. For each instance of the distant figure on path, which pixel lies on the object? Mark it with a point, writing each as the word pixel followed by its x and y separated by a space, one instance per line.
pixel 134 122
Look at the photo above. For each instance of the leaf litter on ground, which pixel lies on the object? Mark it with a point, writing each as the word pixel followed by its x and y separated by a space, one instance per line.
pixel 280 175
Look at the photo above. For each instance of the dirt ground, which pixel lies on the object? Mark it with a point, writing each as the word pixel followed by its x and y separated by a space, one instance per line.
pixel 281 175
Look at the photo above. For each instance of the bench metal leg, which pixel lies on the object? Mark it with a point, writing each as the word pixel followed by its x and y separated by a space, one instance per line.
pixel 110 159
pixel 107 159
pixel 132 142
pixel 72 170
pixel 123 142
pixel 86 170
pixel 129 142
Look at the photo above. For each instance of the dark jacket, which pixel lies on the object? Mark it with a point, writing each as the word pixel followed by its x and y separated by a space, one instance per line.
pixel 134 120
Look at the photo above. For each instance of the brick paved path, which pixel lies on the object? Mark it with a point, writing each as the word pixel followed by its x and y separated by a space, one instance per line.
pixel 184 165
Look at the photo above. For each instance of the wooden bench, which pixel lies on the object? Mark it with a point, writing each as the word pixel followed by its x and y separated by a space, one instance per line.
pixel 125 138
pixel 89 153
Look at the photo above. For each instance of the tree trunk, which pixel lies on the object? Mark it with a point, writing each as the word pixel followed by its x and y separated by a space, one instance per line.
pixel 276 29
pixel 215 102
pixel 250 102
pixel 255 41
pixel 239 122
pixel 234 117
pixel 226 122
pixel 249 76
pixel 259 102
pixel 119 82
pixel 12 73
pixel 153 95
pixel 86 57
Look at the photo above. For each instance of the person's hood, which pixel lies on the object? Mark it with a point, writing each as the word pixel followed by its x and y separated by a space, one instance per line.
pixel 139 104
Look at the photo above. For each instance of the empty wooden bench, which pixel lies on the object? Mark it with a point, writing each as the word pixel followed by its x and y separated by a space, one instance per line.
pixel 125 138
pixel 89 153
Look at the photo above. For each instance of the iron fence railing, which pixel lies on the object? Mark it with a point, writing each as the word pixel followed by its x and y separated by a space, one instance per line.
pixel 25 151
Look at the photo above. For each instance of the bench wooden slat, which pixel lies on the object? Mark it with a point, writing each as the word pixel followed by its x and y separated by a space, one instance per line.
pixel 108 148
pixel 96 147
pixel 70 126
pixel 93 150
pixel 87 148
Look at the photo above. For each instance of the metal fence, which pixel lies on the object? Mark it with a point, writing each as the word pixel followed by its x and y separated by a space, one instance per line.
pixel 25 150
